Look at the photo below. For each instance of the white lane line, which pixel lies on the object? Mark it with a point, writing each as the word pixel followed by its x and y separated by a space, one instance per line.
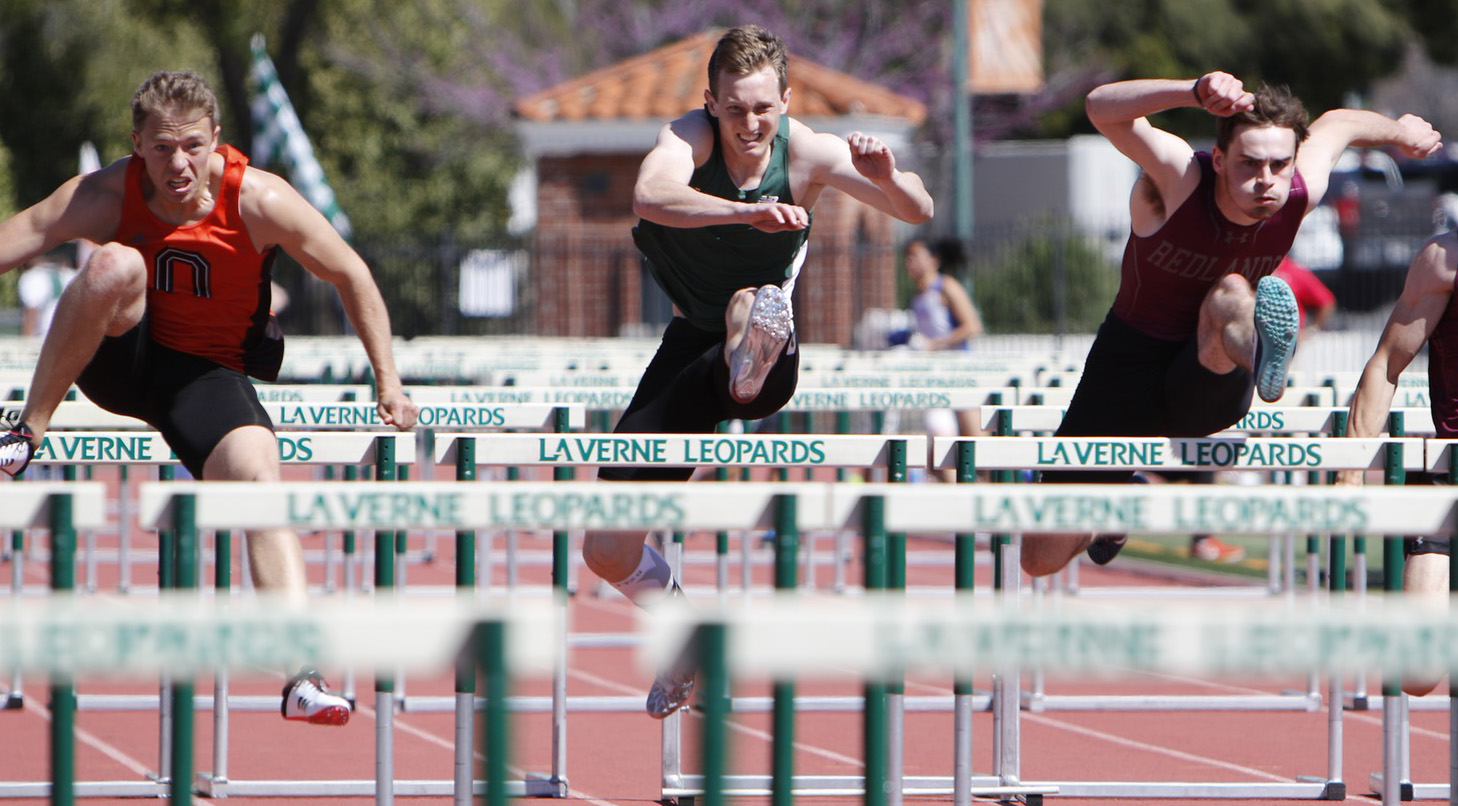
pixel 450 744
pixel 107 749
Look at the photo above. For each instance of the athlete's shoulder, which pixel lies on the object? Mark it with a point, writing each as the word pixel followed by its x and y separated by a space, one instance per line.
pixel 808 144
pixel 108 182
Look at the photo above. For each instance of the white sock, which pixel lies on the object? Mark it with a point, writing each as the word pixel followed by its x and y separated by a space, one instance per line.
pixel 650 582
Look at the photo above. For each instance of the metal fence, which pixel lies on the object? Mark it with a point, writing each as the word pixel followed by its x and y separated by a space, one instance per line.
pixel 1046 276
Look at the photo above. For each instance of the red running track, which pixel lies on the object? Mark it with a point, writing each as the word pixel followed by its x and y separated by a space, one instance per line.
pixel 614 758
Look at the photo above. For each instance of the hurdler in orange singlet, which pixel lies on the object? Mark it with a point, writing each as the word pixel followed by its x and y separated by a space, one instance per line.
pixel 207 287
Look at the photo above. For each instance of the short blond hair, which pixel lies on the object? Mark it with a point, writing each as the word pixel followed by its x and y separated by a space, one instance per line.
pixel 181 90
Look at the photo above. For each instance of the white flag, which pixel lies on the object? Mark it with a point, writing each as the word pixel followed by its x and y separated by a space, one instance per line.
pixel 90 160
pixel 279 137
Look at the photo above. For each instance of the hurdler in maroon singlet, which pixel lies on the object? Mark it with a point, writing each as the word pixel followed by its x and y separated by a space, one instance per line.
pixel 1442 366
pixel 1167 275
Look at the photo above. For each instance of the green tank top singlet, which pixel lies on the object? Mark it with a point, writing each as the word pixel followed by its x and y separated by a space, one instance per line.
pixel 700 268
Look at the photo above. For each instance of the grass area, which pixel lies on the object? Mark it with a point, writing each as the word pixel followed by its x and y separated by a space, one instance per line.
pixel 1175 550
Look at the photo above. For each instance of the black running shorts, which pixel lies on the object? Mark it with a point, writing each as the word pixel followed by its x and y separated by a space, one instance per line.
pixel 685 390
pixel 192 401
pixel 1426 545
pixel 1135 385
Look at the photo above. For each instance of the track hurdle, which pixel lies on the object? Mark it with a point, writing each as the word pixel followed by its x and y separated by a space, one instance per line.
pixel 60 507
pixel 1229 452
pixel 185 635
pixel 1032 419
pixel 482 505
pixel 809 637
pixel 1243 452
pixel 1395 780
pixel 564 451
pixel 789 507
pixel 1141 509
pixel 148 448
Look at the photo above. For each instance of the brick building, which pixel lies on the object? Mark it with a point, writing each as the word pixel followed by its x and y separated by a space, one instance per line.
pixel 585 139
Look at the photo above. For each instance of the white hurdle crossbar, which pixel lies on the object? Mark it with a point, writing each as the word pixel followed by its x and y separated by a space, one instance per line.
pixel 777 451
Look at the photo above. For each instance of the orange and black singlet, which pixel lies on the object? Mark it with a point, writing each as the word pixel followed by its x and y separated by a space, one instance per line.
pixel 207 287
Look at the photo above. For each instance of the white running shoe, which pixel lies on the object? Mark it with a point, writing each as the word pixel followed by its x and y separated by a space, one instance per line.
pixel 306 698
pixel 16 447
pixel 767 331
pixel 1277 324
pixel 672 688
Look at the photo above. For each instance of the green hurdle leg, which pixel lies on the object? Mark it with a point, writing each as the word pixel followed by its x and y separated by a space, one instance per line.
pixel 964 573
pixel 782 766
pixel 875 719
pixel 1002 426
pixel 1337 585
pixel 714 671
pixel 896 473
pixel 491 657
pixel 185 570
pixel 1393 702
pixel 465 675
pixel 223 585
pixel 15 699
pixel 384 683
pixel 561 588
pixel 63 690
pixel 166 580
pixel 1358 568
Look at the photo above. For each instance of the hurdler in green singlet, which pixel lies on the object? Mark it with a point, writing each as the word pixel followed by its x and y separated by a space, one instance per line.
pixel 700 268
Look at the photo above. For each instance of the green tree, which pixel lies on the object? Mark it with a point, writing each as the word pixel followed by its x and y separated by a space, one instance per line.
pixel 1323 49
pixel 68 69
pixel 1048 280
pixel 1436 26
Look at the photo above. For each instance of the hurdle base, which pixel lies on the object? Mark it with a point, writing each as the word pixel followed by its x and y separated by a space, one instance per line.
pixel 1331 790
pixel 1304 702
pixel 686 789
pixel 87 789
pixel 209 786
pixel 1295 790
pixel 14 701
pixel 1405 789
pixel 1428 703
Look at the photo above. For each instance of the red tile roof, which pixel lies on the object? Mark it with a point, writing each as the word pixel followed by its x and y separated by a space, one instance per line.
pixel 670 81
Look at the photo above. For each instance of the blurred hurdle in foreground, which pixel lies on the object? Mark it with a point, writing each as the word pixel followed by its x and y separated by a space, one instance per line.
pixel 949 634
pixel 779 453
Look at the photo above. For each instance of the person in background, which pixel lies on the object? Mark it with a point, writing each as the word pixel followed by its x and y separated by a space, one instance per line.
pixel 1315 303
pixel 40 285
pixel 944 318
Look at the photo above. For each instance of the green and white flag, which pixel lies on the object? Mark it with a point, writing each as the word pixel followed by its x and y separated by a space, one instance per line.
pixel 278 136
